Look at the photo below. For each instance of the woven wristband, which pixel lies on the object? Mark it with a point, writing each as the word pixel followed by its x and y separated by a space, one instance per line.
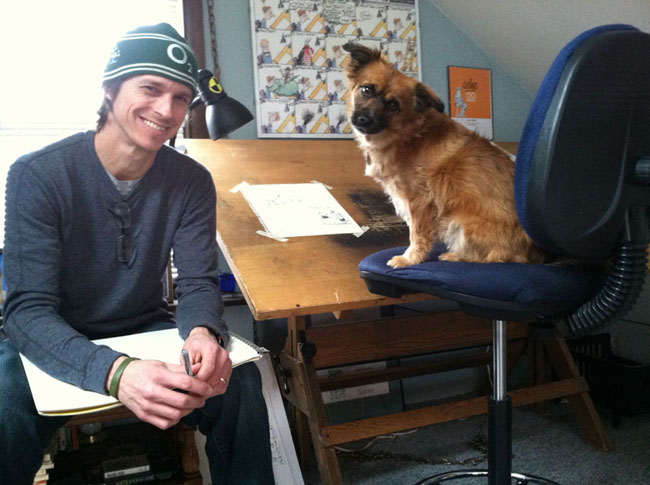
pixel 115 381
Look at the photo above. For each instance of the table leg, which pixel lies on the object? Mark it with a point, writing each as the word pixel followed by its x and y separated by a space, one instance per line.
pixel 549 354
pixel 309 410
pixel 586 413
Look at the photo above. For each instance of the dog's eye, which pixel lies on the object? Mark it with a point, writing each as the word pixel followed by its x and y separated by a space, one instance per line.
pixel 367 90
pixel 392 105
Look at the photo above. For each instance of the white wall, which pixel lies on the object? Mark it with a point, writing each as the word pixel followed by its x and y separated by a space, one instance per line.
pixel 524 36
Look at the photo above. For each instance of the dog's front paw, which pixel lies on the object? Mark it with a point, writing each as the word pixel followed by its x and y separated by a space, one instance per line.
pixel 449 256
pixel 399 262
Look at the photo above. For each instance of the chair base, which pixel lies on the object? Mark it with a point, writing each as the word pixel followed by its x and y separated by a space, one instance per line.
pixel 518 478
pixel 499 470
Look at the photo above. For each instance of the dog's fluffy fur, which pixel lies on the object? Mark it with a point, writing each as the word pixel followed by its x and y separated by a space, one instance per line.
pixel 448 183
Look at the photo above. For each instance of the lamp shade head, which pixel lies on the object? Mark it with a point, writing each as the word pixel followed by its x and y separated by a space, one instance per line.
pixel 223 114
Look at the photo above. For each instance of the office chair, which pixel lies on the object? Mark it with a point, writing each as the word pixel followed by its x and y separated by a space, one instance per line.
pixel 581 189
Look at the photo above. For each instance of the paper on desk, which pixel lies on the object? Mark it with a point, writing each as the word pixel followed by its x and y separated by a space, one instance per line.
pixel 293 210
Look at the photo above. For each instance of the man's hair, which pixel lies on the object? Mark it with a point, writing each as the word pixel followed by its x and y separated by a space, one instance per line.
pixel 112 87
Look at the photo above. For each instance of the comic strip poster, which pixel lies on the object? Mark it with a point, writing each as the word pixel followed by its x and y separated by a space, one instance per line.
pixel 300 83
pixel 470 98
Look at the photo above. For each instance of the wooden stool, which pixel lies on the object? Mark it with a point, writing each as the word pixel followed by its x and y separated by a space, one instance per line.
pixel 182 437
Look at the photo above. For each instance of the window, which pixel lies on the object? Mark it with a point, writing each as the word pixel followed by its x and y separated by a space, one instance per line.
pixel 51 83
pixel 54 54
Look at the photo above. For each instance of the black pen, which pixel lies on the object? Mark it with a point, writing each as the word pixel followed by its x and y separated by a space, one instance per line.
pixel 186 361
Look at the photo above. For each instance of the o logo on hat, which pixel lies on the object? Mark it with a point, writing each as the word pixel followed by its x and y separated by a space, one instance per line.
pixel 172 52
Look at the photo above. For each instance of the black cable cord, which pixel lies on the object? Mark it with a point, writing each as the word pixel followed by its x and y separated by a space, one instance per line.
pixel 618 295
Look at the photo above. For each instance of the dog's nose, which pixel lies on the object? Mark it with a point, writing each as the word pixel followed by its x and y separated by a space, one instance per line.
pixel 365 122
pixel 362 120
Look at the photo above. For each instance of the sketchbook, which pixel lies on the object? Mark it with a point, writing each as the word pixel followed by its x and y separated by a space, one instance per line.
pixel 53 397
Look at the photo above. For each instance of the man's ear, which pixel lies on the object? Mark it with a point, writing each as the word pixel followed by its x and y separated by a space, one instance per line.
pixel 426 98
pixel 110 93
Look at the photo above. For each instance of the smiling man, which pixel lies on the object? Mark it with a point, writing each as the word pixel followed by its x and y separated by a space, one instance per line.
pixel 90 223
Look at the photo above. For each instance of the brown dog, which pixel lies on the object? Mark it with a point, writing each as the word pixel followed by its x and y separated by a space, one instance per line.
pixel 448 183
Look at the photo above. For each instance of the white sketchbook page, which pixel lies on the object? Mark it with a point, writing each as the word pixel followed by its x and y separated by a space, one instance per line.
pixel 292 210
pixel 54 397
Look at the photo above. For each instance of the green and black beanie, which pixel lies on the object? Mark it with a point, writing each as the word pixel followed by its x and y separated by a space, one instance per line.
pixel 153 49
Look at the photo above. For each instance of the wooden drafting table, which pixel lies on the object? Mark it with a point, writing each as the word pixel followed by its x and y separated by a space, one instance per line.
pixel 305 276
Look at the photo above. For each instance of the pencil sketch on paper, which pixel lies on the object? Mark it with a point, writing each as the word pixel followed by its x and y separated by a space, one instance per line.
pixel 292 210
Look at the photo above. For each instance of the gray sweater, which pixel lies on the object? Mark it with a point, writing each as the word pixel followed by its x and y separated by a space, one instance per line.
pixel 65 284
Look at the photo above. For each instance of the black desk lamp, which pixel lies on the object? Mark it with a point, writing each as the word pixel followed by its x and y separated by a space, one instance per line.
pixel 222 114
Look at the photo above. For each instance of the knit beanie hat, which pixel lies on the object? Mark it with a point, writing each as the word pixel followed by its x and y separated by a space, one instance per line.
pixel 153 49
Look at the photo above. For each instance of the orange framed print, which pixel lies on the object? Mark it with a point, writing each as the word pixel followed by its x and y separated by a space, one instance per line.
pixel 470 98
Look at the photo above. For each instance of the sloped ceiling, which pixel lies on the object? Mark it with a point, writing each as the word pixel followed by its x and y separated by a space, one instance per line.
pixel 524 36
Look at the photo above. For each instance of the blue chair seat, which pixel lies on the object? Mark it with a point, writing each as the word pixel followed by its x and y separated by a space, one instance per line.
pixel 514 290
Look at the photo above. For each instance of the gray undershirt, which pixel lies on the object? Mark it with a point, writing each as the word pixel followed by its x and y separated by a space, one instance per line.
pixel 124 187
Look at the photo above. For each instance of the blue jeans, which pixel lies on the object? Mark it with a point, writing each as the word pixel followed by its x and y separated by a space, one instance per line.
pixel 235 425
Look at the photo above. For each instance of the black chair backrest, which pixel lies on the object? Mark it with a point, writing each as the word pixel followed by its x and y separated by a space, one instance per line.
pixel 588 182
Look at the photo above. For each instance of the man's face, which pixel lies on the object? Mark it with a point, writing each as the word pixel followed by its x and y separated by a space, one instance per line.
pixel 148 110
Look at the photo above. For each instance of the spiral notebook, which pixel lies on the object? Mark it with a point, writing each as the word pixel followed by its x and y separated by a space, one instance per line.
pixel 53 397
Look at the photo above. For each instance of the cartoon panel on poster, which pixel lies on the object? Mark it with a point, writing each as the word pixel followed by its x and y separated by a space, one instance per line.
pixel 300 80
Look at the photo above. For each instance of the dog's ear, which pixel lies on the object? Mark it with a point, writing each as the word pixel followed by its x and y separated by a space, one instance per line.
pixel 360 56
pixel 425 98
